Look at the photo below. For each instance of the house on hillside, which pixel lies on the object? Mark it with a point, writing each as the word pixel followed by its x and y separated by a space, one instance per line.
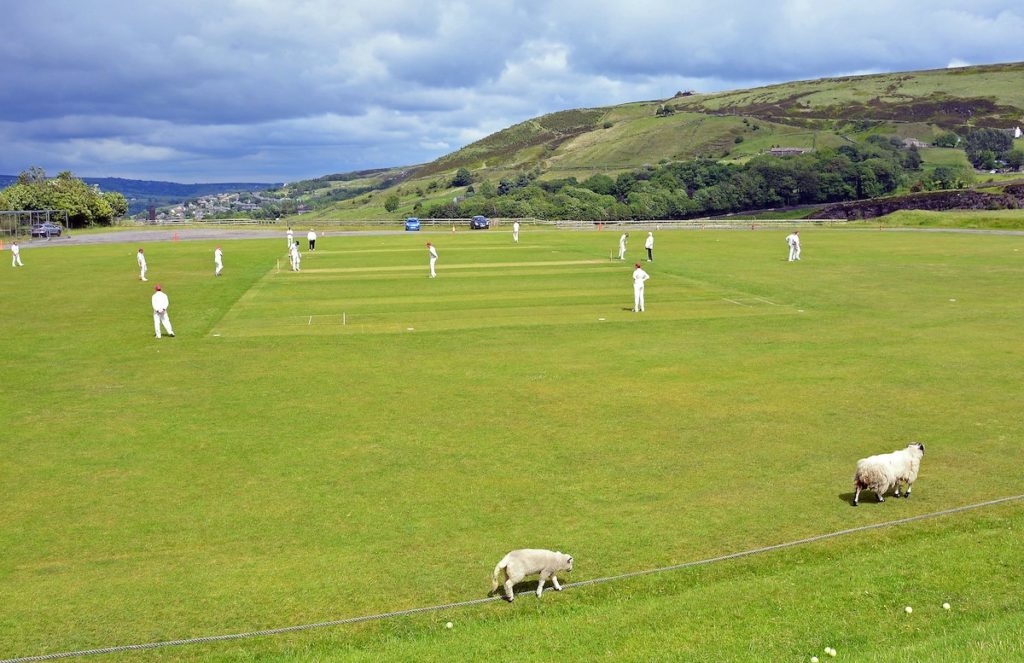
pixel 787 151
pixel 1017 133
pixel 913 142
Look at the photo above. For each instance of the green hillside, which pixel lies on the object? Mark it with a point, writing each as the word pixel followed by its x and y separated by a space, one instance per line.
pixel 728 127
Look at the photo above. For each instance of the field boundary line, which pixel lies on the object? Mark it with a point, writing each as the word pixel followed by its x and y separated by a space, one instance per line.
pixel 463 604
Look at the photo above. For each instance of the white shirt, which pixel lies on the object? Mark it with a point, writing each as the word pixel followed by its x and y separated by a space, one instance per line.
pixel 160 301
pixel 218 256
pixel 311 236
pixel 15 249
pixel 793 239
pixel 649 242
pixel 142 259
pixel 433 251
pixel 515 226
pixel 622 241
pixel 639 276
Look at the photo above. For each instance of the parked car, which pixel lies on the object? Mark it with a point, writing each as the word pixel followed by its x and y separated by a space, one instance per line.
pixel 412 223
pixel 479 223
pixel 46 229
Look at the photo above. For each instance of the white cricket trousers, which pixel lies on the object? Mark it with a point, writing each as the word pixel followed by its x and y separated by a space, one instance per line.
pixel 16 260
pixel 219 268
pixel 638 297
pixel 161 317
pixel 432 272
pixel 142 273
pixel 794 253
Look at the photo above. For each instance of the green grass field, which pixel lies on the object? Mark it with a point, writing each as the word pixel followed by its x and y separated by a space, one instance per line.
pixel 358 438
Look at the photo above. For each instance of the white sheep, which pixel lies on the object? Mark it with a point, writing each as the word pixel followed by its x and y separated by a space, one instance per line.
pixel 882 472
pixel 521 563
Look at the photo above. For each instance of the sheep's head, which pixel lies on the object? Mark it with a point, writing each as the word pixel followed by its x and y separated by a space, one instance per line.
pixel 917 445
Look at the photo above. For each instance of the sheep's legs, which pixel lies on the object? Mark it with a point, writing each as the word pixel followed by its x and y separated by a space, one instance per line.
pixel 856 495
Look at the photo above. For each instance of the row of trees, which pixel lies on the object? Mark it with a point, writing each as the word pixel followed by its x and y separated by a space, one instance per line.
pixel 694 188
pixel 84 204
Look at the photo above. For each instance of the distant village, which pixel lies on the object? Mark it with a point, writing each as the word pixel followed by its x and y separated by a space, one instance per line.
pixel 218 205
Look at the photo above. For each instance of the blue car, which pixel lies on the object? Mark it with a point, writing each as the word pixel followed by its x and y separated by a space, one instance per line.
pixel 479 223
pixel 412 223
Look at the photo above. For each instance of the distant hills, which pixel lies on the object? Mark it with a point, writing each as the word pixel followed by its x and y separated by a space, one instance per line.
pixel 733 127
pixel 909 109
pixel 145 193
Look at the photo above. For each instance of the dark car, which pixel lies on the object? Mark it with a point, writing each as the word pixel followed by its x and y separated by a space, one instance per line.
pixel 412 223
pixel 46 229
pixel 479 223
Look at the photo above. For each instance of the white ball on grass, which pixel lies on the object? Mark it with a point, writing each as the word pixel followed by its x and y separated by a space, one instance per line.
pixel 449 625
pixel 908 609
pixel 814 659
pixel 945 606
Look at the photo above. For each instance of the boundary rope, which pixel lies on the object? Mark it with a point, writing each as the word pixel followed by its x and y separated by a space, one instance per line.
pixel 463 604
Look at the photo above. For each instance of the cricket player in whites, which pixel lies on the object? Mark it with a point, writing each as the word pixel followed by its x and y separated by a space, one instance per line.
pixel 294 256
pixel 218 262
pixel 160 303
pixel 649 245
pixel 291 239
pixel 622 246
pixel 793 239
pixel 639 278
pixel 141 258
pixel 515 232
pixel 16 255
pixel 433 258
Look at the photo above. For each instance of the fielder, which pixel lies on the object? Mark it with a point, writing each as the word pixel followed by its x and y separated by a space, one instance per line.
pixel 291 239
pixel 433 258
pixel 793 239
pixel 16 255
pixel 160 303
pixel 649 245
pixel 218 262
pixel 515 232
pixel 295 257
pixel 141 258
pixel 622 246
pixel 639 278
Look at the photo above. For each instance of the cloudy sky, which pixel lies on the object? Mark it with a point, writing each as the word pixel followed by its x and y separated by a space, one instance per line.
pixel 280 90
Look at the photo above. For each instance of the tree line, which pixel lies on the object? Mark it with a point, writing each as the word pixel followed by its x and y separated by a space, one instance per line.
pixel 85 205
pixel 680 190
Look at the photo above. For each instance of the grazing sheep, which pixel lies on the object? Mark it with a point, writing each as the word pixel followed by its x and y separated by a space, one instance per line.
pixel 881 472
pixel 521 563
